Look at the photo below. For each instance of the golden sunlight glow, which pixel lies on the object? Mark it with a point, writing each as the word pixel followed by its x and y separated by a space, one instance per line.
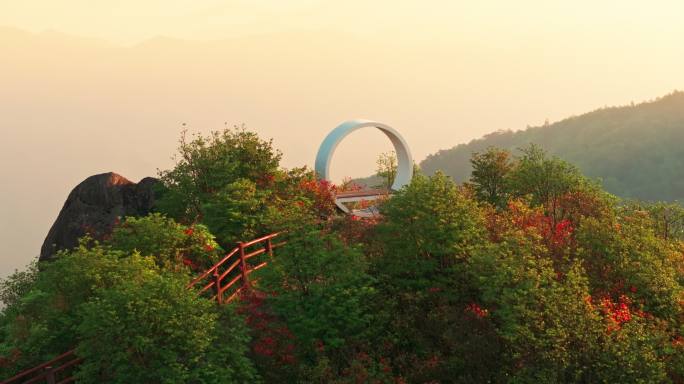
pixel 89 86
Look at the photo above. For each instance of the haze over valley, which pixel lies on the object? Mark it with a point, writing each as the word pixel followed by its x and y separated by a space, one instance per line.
pixel 77 98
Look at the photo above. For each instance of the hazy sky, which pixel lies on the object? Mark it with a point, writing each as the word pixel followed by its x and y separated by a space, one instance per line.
pixel 89 86
pixel 496 22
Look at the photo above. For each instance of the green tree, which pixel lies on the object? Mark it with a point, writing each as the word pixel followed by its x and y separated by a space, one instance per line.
pixel 668 219
pixel 623 256
pixel 430 219
pixel 428 232
pixel 489 177
pixel 550 333
pixel 322 292
pixel 127 318
pixel 158 331
pixel 386 168
pixel 230 181
pixel 239 211
pixel 545 180
pixel 634 354
pixel 16 285
pixel 580 320
pixel 42 323
pixel 172 245
pixel 206 165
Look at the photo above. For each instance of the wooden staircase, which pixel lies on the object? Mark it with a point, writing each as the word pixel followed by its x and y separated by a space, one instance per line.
pixel 215 277
pixel 228 277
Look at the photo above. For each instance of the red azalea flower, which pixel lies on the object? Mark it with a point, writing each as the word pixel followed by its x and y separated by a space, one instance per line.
pixel 618 312
pixel 189 263
pixel 477 310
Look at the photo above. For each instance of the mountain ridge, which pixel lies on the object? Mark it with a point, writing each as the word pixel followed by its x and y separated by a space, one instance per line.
pixel 631 149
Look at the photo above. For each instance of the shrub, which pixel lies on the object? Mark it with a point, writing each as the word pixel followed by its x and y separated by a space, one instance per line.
pixel 159 331
pixel 172 245
pixel 42 323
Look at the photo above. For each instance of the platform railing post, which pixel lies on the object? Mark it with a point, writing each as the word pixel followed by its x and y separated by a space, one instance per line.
pixel 243 266
pixel 50 377
pixel 217 287
pixel 269 247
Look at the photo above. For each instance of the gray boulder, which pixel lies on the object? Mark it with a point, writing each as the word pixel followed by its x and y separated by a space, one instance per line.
pixel 93 208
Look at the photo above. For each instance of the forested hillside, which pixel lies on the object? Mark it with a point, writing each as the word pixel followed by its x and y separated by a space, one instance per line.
pixel 636 151
pixel 528 273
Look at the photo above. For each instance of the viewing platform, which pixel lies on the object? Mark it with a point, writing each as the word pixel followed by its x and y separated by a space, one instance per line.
pixel 352 202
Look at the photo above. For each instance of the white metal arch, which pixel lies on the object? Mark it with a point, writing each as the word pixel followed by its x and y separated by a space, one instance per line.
pixel 330 143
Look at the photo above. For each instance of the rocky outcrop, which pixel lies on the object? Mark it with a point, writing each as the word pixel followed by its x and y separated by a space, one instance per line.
pixel 94 206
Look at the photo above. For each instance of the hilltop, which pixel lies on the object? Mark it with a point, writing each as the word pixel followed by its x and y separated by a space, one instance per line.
pixel 530 274
pixel 635 150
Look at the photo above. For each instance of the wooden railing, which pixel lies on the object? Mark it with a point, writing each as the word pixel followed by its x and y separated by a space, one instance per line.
pixel 55 371
pixel 214 278
pixel 222 279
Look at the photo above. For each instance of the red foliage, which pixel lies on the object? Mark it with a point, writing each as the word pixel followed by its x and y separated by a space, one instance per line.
pixel 555 234
pixel 189 231
pixel 322 192
pixel 190 264
pixel 562 232
pixel 273 341
pixel 320 347
pixel 433 362
pixel 616 313
pixel 355 229
pixel 265 181
pixel 350 187
pixel 476 310
pixel 576 204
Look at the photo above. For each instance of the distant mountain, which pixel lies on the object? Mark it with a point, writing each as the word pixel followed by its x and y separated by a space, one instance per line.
pixel 637 151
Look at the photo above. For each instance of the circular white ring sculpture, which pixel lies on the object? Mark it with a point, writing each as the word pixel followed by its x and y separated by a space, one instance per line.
pixel 330 143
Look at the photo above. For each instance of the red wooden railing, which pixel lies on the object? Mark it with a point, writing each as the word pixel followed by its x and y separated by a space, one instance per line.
pixel 215 277
pixel 51 371
pixel 55 371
